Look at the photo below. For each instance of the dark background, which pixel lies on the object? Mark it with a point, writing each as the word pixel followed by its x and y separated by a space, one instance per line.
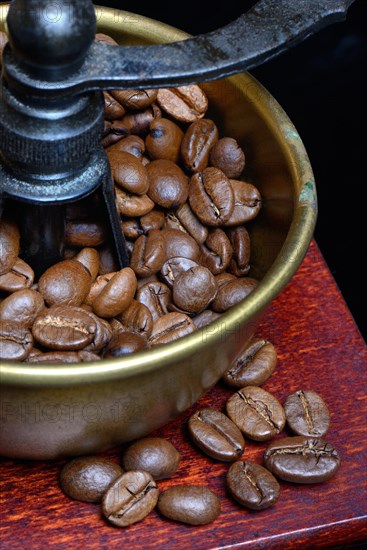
pixel 321 84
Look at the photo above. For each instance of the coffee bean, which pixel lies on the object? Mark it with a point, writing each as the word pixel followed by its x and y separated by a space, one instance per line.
pixel 232 292
pixel 16 341
pixel 306 413
pixel 129 144
pixel 241 246
pixel 149 254
pixel 194 289
pixel 153 220
pixel 67 282
pixel 130 498
pixel 117 295
pixel 85 233
pixel 113 110
pixel 205 318
pixel 66 357
pixel 253 366
pixel 124 343
pixel 64 328
pixel 164 140
pixel 87 478
pixel 173 268
pixel 133 205
pixel 102 335
pixel 20 276
pixel 9 245
pixel 138 122
pixel 197 142
pixel 185 220
pixel 170 327
pixel 169 185
pixel 192 504
pixel 98 286
pixel 135 99
pixel 247 203
pixel 128 172
pixel 184 103
pixel 257 413
pixel 137 318
pixel 252 485
pixel 154 455
pixel 216 252
pixel 180 244
pixel 228 156
pixel 155 296
pixel 302 459
pixel 216 435
pixel 23 306
pixel 211 196
pixel 89 257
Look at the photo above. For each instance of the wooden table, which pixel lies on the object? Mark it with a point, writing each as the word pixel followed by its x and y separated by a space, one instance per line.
pixel 319 348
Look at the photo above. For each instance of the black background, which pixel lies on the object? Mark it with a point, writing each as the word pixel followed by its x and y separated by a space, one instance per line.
pixel 321 84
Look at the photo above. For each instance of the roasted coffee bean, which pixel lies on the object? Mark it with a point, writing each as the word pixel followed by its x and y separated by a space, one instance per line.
pixel 117 295
pixel 23 306
pixel 169 185
pixel 302 459
pixel 173 268
pixel 102 335
pixel 198 140
pixel 192 504
pixel 130 144
pixel 16 341
pixel 153 220
pixel 184 103
pixel 216 435
pixel 131 228
pixel 216 252
pixel 228 156
pixel 180 244
pixel 149 254
pixel 241 246
pixel 63 357
pixel 124 343
pixel 85 233
pixel 137 318
pixel 204 318
pixel 252 485
pixel 113 110
pixel 64 328
pixel 139 122
pixel 247 203
pixel 194 289
pixel 211 196
pixel 187 221
pixel 67 282
pixel 132 205
pixel 89 257
pixel 130 498
pixel 232 292
pixel 20 276
pixel 257 413
pixel 87 478
pixel 98 286
pixel 135 99
pixel 170 327
pixel 253 366
pixel 9 245
pixel 155 296
pixel 154 455
pixel 128 172
pixel 306 413
pixel 164 140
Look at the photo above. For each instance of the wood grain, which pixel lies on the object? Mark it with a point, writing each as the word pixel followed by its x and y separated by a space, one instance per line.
pixel 319 348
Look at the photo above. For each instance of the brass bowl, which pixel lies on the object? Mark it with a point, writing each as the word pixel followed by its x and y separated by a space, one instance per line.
pixel 54 411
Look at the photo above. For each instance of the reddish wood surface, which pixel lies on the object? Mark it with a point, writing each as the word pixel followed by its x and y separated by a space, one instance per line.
pixel 319 348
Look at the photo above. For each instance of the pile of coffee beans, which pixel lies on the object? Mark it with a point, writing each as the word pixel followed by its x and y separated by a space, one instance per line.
pixel 183 213
pixel 130 492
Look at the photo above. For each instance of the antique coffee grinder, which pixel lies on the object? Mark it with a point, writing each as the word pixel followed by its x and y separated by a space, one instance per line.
pixel 52 108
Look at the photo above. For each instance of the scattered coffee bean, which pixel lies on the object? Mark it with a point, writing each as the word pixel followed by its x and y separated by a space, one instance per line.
pixel 302 459
pixel 154 455
pixel 257 413
pixel 253 366
pixel 306 413
pixel 130 498
pixel 216 435
pixel 252 485
pixel 192 504
pixel 87 478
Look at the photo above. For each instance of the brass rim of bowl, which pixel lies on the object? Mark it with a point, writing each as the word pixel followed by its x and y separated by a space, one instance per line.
pixel 282 270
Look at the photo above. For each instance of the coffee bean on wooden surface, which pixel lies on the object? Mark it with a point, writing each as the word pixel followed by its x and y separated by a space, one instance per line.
pixel 87 478
pixel 130 498
pixel 302 459
pixel 216 435
pixel 306 413
pixel 252 485
pixel 154 455
pixel 67 282
pixel 192 504
pixel 257 413
pixel 16 341
pixel 253 366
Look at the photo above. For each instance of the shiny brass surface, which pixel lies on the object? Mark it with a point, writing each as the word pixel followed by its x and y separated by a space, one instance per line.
pixel 54 411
